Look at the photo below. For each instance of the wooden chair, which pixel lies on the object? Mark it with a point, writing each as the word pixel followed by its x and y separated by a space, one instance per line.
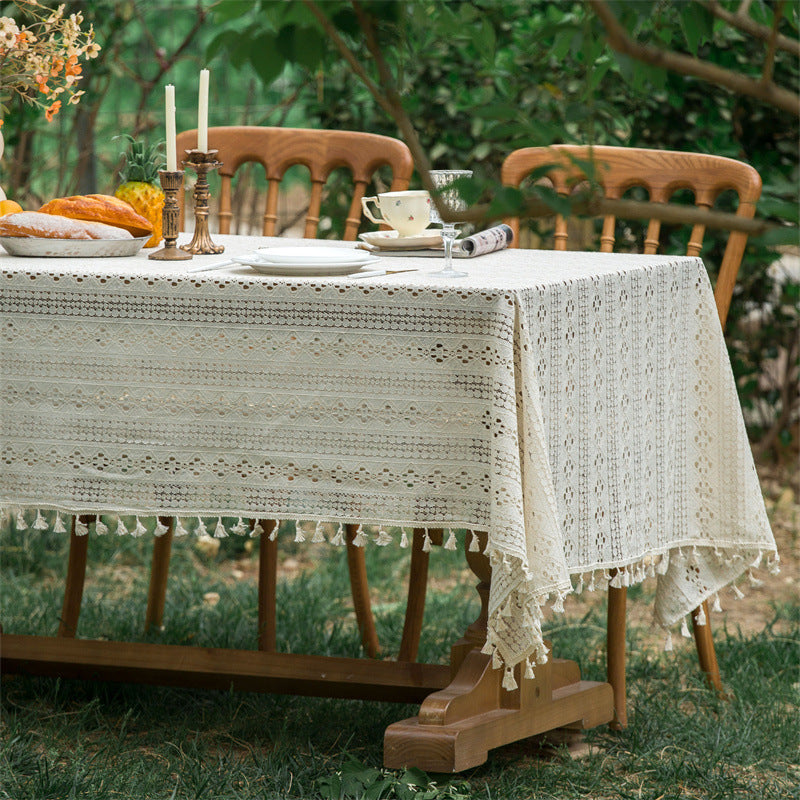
pixel 320 151
pixel 278 149
pixel 661 173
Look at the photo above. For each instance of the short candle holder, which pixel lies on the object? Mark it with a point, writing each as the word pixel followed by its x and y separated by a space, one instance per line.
pixel 171 184
pixel 202 163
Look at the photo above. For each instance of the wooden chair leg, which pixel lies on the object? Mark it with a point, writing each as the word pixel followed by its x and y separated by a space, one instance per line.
pixel 267 587
pixel 704 640
pixel 357 566
pixel 615 654
pixel 76 574
pixel 159 572
pixel 415 607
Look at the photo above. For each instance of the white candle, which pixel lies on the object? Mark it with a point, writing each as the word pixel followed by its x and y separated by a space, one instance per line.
pixel 172 161
pixel 202 113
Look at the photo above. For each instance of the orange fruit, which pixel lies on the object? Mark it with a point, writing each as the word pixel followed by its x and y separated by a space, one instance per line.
pixel 9 207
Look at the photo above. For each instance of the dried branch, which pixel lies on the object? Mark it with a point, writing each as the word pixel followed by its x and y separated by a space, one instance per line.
pixel 618 38
pixel 741 21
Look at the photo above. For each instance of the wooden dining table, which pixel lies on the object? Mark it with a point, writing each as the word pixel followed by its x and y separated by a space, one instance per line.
pixel 569 419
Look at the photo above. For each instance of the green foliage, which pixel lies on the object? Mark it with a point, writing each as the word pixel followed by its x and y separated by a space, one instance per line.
pixel 480 79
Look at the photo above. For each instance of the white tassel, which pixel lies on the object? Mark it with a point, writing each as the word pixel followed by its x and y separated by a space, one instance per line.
pixel 160 528
pixel 685 629
pixel 558 606
pixel 318 534
pixel 579 587
pixel 663 565
pixel 338 539
pixel 616 581
pixel 473 543
pixel 426 544
pixel 529 669
pixel 21 525
pixel 219 530
pixel 488 648
pixel 299 536
pixel 100 528
pixel 200 530
pixel 716 607
pixel 541 654
pixel 121 529
pixel 668 643
pixel 753 580
pixel 59 524
pixel 403 538
pixel 361 538
pixel 497 662
pixel 240 529
pixel 273 534
pixel 40 524
pixel 591 586
pixel 737 591
pixel 509 683
pixel 180 529
pixel 81 528
pixel 383 538
pixel 773 566
pixel 140 529
pixel 258 529
pixel 450 544
pixel 757 562
pixel 700 619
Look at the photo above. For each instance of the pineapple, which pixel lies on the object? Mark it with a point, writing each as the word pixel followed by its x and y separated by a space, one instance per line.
pixel 140 187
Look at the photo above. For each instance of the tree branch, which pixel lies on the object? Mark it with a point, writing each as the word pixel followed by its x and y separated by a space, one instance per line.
pixel 390 101
pixel 596 205
pixel 742 22
pixel 619 39
pixel 769 59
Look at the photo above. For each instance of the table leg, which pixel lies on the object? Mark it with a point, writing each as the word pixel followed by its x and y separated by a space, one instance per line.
pixel 615 653
pixel 267 588
pixel 76 574
pixel 457 726
pixel 159 573
pixel 704 641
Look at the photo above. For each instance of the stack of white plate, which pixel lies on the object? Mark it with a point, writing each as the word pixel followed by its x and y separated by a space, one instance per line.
pixel 309 260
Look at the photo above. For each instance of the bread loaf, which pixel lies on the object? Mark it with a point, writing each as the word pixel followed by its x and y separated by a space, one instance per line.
pixel 34 224
pixel 100 208
pixel 42 226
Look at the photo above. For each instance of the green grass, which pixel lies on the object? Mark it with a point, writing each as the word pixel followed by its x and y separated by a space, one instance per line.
pixel 73 739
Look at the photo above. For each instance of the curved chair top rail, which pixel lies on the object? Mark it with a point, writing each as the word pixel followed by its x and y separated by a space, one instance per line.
pixel 661 173
pixel 320 151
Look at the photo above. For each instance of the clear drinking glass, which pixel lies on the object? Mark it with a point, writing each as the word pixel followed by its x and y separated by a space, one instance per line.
pixel 442 178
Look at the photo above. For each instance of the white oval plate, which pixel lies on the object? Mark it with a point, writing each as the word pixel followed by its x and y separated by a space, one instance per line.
pixel 392 241
pixel 306 269
pixel 309 255
pixel 71 248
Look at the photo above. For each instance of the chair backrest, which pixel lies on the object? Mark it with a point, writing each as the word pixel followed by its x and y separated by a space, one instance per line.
pixel 321 151
pixel 661 173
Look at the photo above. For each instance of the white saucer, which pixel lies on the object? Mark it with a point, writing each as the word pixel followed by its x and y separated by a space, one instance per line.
pixel 432 237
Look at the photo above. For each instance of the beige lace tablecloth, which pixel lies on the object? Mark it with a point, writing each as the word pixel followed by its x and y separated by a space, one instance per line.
pixel 578 407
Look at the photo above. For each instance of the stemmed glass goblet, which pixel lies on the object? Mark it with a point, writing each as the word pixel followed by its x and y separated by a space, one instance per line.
pixel 451 198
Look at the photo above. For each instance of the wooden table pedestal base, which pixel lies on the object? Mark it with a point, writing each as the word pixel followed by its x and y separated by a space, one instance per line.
pixel 457 726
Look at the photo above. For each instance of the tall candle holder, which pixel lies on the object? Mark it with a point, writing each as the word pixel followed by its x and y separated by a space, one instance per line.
pixel 202 163
pixel 171 184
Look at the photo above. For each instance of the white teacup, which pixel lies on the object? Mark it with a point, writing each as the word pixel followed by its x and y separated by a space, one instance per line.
pixel 409 213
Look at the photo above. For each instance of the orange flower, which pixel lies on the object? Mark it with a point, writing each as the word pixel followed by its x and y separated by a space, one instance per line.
pixel 52 110
pixel 42 81
pixel 56 67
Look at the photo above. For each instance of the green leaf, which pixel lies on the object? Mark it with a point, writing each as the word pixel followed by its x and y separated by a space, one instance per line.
pixel 785 235
pixel 697 24
pixel 267 61
pixel 559 203
pixel 229 10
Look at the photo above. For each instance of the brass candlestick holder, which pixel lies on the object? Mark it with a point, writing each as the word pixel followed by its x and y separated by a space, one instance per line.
pixel 171 184
pixel 202 163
